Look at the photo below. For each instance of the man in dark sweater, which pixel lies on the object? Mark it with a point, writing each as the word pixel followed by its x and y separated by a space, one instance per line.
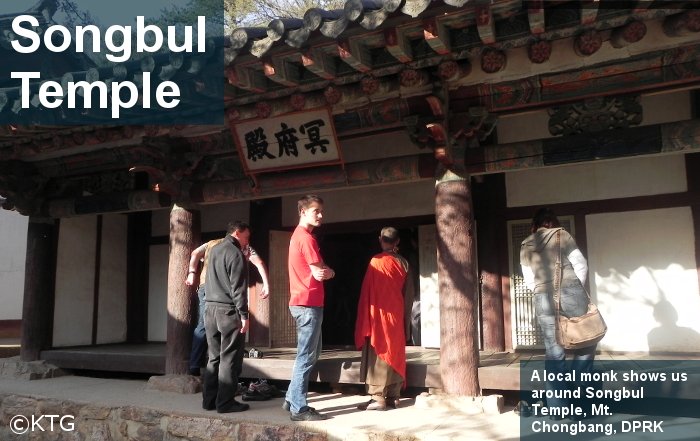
pixel 226 320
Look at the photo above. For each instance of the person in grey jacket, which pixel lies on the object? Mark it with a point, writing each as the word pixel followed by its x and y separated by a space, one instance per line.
pixel 226 320
pixel 538 256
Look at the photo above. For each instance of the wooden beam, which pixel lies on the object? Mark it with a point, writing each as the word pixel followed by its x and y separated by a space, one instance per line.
pixel 398 45
pixel 589 11
pixel 355 54
pixel 535 16
pixel 319 62
pixel 680 25
pixel 485 24
pixel 249 79
pixel 436 35
pixel 278 70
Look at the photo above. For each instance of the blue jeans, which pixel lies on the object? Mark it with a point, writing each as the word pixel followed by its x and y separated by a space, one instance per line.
pixel 198 352
pixel 308 320
pixel 574 303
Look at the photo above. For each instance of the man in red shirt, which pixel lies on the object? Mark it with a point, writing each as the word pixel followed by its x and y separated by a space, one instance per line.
pixel 306 275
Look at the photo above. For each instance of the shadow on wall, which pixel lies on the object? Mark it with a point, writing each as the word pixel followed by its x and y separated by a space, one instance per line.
pixel 668 336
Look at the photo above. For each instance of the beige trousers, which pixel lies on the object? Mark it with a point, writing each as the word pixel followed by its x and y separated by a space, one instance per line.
pixel 380 378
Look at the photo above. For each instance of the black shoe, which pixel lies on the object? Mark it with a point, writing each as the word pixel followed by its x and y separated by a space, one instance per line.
pixel 288 407
pixel 212 407
pixel 194 372
pixel 308 414
pixel 235 407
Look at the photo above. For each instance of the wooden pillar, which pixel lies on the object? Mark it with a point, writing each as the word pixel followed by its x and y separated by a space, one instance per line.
pixel 459 354
pixel 184 237
pixel 39 284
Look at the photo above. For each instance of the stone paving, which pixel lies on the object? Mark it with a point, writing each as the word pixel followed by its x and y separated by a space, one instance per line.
pixel 117 409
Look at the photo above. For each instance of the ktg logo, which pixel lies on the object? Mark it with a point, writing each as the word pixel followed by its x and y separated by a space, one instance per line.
pixel 20 424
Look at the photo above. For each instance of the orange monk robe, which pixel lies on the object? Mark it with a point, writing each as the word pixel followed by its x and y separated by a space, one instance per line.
pixel 380 311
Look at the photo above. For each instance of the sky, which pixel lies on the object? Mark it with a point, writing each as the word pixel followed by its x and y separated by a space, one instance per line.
pixel 107 11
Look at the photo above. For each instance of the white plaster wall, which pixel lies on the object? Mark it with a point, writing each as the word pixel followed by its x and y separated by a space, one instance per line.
pixel 13 252
pixel 214 217
pixel 525 126
pixel 388 201
pixel 429 287
pixel 658 108
pixel 111 322
pixel 75 278
pixel 639 176
pixel 393 144
pixel 668 107
pixel 158 293
pixel 644 275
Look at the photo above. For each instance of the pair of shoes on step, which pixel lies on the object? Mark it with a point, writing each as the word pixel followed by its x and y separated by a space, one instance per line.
pixel 258 391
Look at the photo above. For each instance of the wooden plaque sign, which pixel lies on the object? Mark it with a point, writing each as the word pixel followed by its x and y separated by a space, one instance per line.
pixel 294 140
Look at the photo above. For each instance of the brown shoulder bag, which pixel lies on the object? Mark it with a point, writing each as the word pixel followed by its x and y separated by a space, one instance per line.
pixel 576 332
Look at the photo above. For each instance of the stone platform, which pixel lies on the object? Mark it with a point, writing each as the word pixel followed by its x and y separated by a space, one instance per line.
pixel 116 410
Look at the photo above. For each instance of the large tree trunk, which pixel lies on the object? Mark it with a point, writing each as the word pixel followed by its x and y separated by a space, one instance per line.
pixel 456 244
pixel 39 292
pixel 184 237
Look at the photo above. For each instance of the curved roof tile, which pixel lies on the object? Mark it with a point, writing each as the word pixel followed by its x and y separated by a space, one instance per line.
pixel 370 14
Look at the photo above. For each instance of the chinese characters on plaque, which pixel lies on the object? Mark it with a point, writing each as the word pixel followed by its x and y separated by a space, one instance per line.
pixel 294 140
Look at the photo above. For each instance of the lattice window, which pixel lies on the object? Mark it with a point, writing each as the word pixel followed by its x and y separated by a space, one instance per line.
pixel 526 331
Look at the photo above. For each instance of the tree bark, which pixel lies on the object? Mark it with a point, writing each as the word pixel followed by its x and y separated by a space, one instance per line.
pixel 184 237
pixel 456 245
pixel 39 288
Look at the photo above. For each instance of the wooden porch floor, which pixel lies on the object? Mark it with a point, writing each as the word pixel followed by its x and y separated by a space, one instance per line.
pixel 497 370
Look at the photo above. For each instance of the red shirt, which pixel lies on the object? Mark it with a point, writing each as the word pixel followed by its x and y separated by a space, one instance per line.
pixel 303 288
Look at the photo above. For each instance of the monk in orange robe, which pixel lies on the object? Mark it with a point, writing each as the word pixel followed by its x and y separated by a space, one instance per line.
pixel 379 329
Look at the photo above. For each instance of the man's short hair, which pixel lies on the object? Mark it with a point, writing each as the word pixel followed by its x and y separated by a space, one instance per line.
pixel 236 226
pixel 305 202
pixel 389 235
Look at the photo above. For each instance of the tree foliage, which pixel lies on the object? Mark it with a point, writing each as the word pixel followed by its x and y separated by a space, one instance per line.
pixel 72 15
pixel 265 11
pixel 234 13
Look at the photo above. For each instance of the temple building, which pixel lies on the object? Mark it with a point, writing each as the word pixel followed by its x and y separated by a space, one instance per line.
pixel 452 121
